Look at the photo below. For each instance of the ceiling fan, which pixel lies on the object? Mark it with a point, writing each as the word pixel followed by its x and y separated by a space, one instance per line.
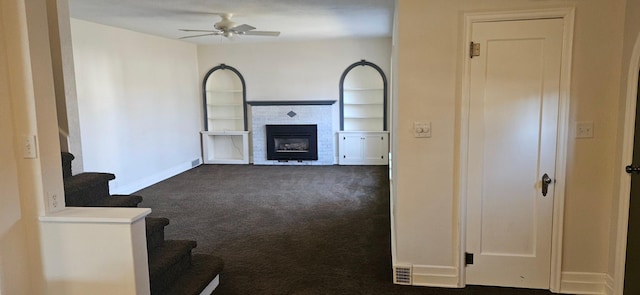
pixel 228 28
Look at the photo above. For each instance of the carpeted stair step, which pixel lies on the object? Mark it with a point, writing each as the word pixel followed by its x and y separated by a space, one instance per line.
pixel 167 262
pixel 204 268
pixel 66 164
pixel 117 201
pixel 155 231
pixel 86 188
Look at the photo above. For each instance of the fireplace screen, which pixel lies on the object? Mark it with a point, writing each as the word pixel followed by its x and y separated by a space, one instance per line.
pixel 292 142
pixel 293 145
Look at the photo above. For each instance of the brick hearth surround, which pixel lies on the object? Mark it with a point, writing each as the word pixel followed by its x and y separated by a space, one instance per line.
pixel 306 112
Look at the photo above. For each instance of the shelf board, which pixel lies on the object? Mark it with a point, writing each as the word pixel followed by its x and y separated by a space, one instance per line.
pixel 226 118
pixel 225 132
pixel 362 103
pixel 363 117
pixel 225 91
pixel 225 104
pixel 363 89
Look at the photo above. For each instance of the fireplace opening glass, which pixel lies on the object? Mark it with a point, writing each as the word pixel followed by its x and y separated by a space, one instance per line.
pixel 292 142
pixel 291 145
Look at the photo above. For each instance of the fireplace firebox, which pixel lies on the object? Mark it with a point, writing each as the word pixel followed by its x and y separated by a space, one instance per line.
pixel 292 142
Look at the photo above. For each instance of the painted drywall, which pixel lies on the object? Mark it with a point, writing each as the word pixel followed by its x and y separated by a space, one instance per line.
pixel 32 113
pixel 138 102
pixel 308 70
pixel 70 240
pixel 64 78
pixel 631 35
pixel 294 70
pixel 428 81
pixel 13 254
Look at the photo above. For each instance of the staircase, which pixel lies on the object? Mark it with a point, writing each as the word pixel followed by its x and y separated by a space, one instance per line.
pixel 173 269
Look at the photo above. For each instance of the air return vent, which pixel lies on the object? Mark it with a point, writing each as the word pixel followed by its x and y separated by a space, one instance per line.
pixel 402 274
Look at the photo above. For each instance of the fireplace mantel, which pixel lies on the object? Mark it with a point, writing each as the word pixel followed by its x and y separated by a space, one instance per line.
pixel 291 102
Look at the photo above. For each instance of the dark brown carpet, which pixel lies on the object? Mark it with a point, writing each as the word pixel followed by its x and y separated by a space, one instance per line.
pixel 291 229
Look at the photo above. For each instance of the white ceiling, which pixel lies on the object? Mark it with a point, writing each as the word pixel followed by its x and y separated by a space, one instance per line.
pixel 295 19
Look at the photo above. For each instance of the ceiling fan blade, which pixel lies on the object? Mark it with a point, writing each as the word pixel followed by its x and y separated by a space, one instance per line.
pixel 201 35
pixel 263 33
pixel 242 28
pixel 190 30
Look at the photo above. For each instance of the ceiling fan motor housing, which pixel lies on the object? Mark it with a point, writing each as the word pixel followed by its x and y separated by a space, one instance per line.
pixel 224 24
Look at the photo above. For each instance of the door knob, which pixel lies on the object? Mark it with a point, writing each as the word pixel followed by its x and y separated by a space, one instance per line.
pixel 546 180
pixel 632 169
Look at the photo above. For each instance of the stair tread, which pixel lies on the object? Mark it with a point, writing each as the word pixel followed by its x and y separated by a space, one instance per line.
pixel 75 183
pixel 155 231
pixel 203 270
pixel 154 223
pixel 164 256
pixel 67 158
pixel 117 201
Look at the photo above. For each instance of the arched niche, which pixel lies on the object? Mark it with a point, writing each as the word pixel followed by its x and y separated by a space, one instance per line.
pixel 363 98
pixel 224 100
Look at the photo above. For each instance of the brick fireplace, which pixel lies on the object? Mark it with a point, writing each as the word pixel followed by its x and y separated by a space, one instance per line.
pixel 282 113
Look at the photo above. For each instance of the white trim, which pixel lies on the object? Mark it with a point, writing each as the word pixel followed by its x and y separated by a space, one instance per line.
pixel 96 215
pixel 583 283
pixel 608 285
pixel 149 180
pixel 625 179
pixel 212 286
pixel 435 276
pixel 568 16
pixel 393 139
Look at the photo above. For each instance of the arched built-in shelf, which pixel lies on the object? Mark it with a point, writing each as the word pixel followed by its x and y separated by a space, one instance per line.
pixel 363 139
pixel 363 98
pixel 225 137
pixel 224 100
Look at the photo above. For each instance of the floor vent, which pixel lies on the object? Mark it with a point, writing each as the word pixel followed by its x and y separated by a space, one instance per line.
pixel 402 275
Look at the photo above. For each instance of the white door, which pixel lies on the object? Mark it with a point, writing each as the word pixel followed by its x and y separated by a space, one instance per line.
pixel 513 118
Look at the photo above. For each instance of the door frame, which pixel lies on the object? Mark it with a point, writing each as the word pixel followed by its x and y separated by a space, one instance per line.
pixel 568 17
pixel 625 159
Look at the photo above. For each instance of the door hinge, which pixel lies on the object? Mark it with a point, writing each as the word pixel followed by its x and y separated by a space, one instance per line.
pixel 468 258
pixel 474 49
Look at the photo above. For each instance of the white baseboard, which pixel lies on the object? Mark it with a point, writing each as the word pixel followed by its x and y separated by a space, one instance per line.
pixel 608 285
pixel 137 185
pixel 435 276
pixel 212 286
pixel 585 283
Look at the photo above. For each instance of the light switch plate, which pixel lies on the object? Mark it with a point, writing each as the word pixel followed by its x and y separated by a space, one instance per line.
pixel 421 129
pixel 584 129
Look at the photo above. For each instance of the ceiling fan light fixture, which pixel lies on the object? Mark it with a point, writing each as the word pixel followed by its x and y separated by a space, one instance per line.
pixel 227 28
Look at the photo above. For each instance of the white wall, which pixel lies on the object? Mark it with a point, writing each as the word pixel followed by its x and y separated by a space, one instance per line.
pixel 429 69
pixel 28 108
pixel 631 35
pixel 13 254
pixel 308 70
pixel 294 70
pixel 138 102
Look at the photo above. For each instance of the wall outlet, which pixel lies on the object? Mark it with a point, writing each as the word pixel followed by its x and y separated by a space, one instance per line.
pixel 584 129
pixel 29 146
pixel 54 202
